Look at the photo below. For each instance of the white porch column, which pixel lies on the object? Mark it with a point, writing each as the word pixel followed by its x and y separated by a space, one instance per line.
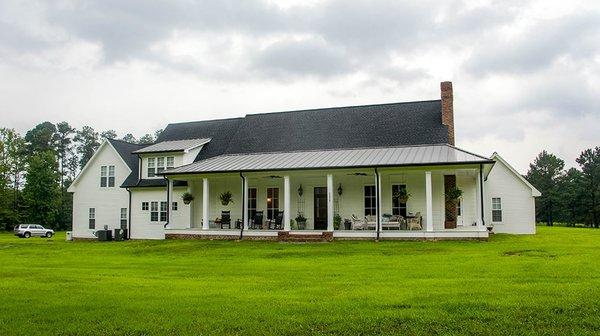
pixel 170 201
pixel 378 202
pixel 428 202
pixel 245 206
pixel 329 202
pixel 286 203
pixel 205 204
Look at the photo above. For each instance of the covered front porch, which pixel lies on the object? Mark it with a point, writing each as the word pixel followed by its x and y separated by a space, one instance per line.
pixel 347 203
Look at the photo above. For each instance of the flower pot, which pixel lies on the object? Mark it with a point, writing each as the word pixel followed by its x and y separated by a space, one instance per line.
pixel 301 225
pixel 450 224
pixel 187 201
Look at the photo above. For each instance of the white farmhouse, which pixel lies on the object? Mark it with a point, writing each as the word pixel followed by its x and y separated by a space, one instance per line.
pixel 386 171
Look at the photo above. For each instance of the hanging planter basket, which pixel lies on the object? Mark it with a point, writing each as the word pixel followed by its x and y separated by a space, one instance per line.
pixel 187 198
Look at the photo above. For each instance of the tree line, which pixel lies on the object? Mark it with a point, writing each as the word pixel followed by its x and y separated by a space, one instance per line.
pixel 570 196
pixel 36 170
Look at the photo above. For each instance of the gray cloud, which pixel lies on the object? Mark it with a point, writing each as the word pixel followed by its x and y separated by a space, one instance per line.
pixel 302 58
pixel 576 36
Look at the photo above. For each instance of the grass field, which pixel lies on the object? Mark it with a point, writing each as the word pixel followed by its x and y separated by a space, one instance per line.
pixel 547 284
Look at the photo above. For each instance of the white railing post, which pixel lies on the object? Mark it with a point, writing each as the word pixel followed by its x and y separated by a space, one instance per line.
pixel 245 206
pixel 205 204
pixel 428 202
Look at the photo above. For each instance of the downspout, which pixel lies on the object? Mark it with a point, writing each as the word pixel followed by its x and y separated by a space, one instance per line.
pixel 481 193
pixel 129 215
pixel 243 205
pixel 168 203
pixel 378 201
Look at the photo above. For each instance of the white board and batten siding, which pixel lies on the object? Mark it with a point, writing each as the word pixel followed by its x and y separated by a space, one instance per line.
pixel 107 201
pixel 142 227
pixel 517 199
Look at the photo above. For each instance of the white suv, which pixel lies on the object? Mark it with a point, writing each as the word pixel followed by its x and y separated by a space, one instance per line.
pixel 28 230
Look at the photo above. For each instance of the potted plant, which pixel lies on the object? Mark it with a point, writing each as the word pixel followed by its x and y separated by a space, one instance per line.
pixel 402 195
pixel 226 198
pixel 452 195
pixel 187 198
pixel 293 225
pixel 347 224
pixel 337 221
pixel 301 221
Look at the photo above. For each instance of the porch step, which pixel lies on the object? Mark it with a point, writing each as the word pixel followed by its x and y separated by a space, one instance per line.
pixel 286 236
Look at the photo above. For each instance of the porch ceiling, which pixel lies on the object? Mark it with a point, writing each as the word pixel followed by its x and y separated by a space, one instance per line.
pixel 441 154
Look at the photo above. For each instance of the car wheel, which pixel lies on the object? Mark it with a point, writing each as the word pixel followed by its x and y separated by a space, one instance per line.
pixel 48 234
pixel 26 235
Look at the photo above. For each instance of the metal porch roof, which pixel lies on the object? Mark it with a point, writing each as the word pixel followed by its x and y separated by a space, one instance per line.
pixel 340 158
pixel 173 146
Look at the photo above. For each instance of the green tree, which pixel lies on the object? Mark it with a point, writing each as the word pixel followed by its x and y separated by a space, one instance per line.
pixel 572 194
pixel 589 161
pixel 87 143
pixel 129 138
pixel 64 140
pixel 12 167
pixel 157 133
pixel 108 134
pixel 146 139
pixel 42 191
pixel 41 138
pixel 544 173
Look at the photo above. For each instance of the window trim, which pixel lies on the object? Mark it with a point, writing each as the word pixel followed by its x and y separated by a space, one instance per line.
pixel 373 206
pixel 273 210
pixel 107 176
pixel 154 210
pixel 174 206
pixel 158 164
pixel 399 207
pixel 124 219
pixel 252 210
pixel 499 209
pixel 145 206
pixel 92 218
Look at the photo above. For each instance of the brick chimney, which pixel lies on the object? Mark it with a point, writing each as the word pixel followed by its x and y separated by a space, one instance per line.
pixel 448 109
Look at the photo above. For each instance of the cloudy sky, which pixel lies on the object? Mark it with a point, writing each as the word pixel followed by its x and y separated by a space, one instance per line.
pixel 526 74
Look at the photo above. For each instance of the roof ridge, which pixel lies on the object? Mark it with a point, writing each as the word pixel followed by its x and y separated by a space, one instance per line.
pixel 125 142
pixel 204 120
pixel 345 107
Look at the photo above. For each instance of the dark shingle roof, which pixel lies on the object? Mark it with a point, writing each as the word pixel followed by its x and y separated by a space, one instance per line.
pixel 219 131
pixel 396 124
pixel 125 150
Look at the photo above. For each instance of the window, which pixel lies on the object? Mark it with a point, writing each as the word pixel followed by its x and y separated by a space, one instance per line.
pixel 103 176
pixel 160 164
pixel 154 211
pixel 163 211
pixel 92 218
pixel 370 201
pixel 123 218
pixel 398 208
pixel 151 167
pixel 459 207
pixel 145 206
pixel 251 202
pixel 174 206
pixel 170 162
pixel 272 202
pixel 107 176
pixel 496 209
pixel 111 176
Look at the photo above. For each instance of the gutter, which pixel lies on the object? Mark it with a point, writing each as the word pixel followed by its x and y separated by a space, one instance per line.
pixel 378 204
pixel 481 193
pixel 129 215
pixel 243 205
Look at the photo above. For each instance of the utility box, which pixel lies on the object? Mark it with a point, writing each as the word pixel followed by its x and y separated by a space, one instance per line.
pixel 125 234
pixel 69 236
pixel 104 235
pixel 118 235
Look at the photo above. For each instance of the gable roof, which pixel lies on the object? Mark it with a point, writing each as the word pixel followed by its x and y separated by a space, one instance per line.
pixel 173 146
pixel 125 152
pixel 334 158
pixel 534 191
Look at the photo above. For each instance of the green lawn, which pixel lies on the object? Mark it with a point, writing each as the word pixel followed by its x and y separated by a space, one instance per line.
pixel 547 284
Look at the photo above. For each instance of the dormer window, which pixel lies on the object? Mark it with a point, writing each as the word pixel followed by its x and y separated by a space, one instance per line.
pixel 151 167
pixel 159 164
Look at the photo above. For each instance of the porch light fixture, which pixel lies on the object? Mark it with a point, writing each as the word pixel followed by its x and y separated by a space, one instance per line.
pixel 340 190
pixel 300 190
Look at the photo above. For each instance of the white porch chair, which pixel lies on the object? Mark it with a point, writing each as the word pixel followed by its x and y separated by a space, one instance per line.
pixel 414 223
pixel 357 223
